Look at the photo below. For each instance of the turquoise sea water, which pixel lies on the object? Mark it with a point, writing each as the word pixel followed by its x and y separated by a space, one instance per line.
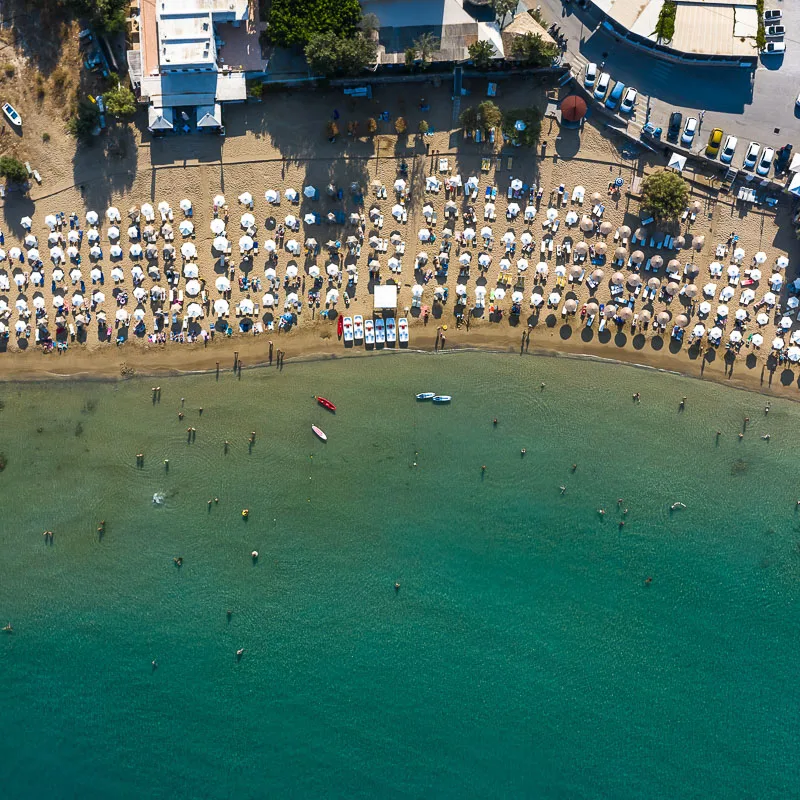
pixel 524 654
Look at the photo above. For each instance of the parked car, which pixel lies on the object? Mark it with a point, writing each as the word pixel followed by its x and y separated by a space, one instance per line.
pixel 615 95
pixel 689 130
pixel 774 49
pixel 776 30
pixel 602 85
pixel 674 129
pixel 728 149
pixel 751 156
pixel 773 15
pixel 765 162
pixel 628 101
pixel 714 141
pixel 590 75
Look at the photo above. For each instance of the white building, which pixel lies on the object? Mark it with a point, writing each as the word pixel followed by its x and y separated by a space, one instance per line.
pixel 176 63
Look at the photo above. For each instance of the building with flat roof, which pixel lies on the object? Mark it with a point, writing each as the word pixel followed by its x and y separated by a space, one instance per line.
pixel 706 31
pixel 178 64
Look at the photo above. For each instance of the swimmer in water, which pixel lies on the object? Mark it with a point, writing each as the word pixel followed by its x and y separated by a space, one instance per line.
pixel 8 628
pixel 574 467
pixel 601 512
pixel 495 422
pixel 239 653
pixel 648 581
pixel 563 489
pixel 675 506
pixel 397 586
pixel 154 664
pixel 483 468
pixel 741 436
pixel 178 561
pixel 765 437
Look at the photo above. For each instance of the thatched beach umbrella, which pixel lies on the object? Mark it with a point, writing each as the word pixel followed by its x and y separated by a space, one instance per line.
pixel 637 256
pixel 617 279
pixel 681 320
pixel 634 280
pixel 620 253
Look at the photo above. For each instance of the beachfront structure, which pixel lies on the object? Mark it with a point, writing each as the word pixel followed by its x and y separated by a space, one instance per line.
pixel 455 23
pixel 706 31
pixel 189 57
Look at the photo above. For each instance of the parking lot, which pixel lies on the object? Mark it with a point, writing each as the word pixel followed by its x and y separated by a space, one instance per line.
pixel 752 105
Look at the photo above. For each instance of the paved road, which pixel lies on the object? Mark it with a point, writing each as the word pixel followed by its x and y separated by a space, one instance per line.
pixel 757 106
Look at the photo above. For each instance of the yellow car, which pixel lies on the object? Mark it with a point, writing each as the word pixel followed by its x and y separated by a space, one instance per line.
pixel 714 142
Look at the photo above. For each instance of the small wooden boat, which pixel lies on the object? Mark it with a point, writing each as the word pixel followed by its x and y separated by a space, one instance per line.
pixel 322 435
pixel 441 398
pixel 340 326
pixel 13 117
pixel 325 403
pixel 426 395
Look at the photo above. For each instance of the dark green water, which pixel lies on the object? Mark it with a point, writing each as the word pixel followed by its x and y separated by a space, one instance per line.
pixel 523 656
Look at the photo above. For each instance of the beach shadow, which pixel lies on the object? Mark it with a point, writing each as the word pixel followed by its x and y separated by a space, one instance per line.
pixel 675 346
pixel 620 340
pixel 639 341
pixel 751 361
pixel 551 320
pixel 657 343
pixel 604 337
pixel 787 377
pixel 587 334
pixel 565 331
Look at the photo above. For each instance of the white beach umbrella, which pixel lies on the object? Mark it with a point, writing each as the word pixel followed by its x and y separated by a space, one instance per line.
pixel 394 263
pixel 188 250
pixel 115 251
pixel 56 254
pixel 291 271
pixel 14 253
pixel 793 354
pixel 291 195
pixel 270 274
pixel 484 259
pixel 516 185
pixel 217 226
pixel 770 299
pixel 95 252
pixel 313 271
pixel 332 270
pixel 50 221
pixel 186 227
pixel 499 293
pixel 504 265
pixel 270 246
pixel 517 297
pixel 221 244
pixel 20 326
pixel 135 251
pixel 222 284
pixel 698 330
pixel 571 218
pixel 793 302
pixel 508 238
pixel 762 319
pixel 194 311
pixel 704 308
pixel 221 307
pixel 147 211
pixel 760 257
pixel 526 238
pixel 271 196
pixel 248 220
pixel 292 298
pixel 486 232
pixel 424 235
pixel 193 288
pixel 33 254
pixel 93 236
pixel 536 299
pixel 112 214
pixel 310 219
pixel 133 232
pixel 245 198
pixel 552 214
pixel 530 212
pixel 268 300
pixel 92 218
pixel 399 185
pixel 776 282
pixel 293 246
pixel 75 275
pixel 140 293
pixel 309 191
pixel 469 234
pixel 22 305
pixel 113 233
pixel 58 301
pixel 31 241
pixel 513 209
pixel 290 220
pixel 122 315
pixel 465 258
pixel 397 211
pixel 98 298
pixel 542 269
pixel 117 275
pixel 245 243
pixel 186 205
pixel 77 300
pixel 522 264
pixel 738 253
pixel 191 271
pixel 786 323
pixel 332 296
pixel 73 237
pixel 778 343
pixel 757 340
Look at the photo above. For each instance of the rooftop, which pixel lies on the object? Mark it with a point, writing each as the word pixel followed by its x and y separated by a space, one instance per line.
pixel 702 27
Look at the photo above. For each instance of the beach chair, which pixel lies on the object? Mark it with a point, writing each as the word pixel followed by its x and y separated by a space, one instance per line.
pixel 37 177
pixel 685 215
pixel 405 216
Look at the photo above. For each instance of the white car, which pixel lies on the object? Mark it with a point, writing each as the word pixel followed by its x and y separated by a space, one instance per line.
pixel 590 76
pixel 358 327
pixel 765 162
pixel 628 101
pixel 689 130
pixel 728 149
pixel 369 331
pixel 602 86
pixel 751 156
pixel 347 329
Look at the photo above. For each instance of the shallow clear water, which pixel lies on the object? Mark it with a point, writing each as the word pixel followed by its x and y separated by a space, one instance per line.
pixel 524 654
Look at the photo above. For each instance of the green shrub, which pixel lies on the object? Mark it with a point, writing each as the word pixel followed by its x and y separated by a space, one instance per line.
pixel 330 54
pixel 12 170
pixel 400 125
pixel 532 118
pixel 9 69
pixel 665 194
pixel 295 22
pixel 84 120
pixel 665 27
pixel 423 127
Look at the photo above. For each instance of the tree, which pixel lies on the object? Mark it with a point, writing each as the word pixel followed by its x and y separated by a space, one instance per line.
pixel 481 53
pixel 84 121
pixel 486 115
pixel 372 125
pixel 12 170
pixel 531 128
pixel 400 125
pixel 369 23
pixel 295 22
pixel 533 50
pixel 410 55
pixel 108 16
pixel 425 46
pixel 120 101
pixel 330 54
pixel 423 127
pixel 502 8
pixel 664 195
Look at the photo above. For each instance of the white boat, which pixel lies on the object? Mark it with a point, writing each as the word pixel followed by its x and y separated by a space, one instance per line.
pixel 319 432
pixel 391 331
pixel 425 395
pixel 347 329
pixel 358 327
pixel 13 117
pixel 369 331
pixel 441 398
pixel 380 331
pixel 402 330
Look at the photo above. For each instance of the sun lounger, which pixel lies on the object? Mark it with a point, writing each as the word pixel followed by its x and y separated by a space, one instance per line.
pixel 36 176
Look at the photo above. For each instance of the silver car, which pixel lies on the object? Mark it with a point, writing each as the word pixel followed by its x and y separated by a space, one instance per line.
pixel 751 156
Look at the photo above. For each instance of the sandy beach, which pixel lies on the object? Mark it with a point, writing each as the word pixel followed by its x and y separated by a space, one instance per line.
pixel 280 144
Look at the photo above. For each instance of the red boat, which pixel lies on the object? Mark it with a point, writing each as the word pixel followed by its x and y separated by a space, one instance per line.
pixel 325 403
pixel 340 326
